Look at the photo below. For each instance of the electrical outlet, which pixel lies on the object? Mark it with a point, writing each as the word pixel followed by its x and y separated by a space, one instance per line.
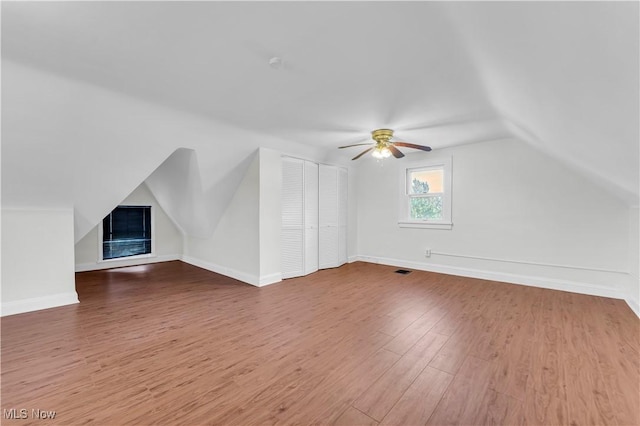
pixel 427 253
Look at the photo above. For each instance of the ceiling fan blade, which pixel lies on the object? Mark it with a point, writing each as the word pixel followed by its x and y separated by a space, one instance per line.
pixel 361 154
pixel 412 145
pixel 355 144
pixel 395 151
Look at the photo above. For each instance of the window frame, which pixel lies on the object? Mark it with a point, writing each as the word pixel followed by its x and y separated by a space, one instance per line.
pixel 404 221
pixel 101 258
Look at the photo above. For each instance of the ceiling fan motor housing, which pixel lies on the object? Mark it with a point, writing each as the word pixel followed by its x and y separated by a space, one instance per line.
pixel 382 135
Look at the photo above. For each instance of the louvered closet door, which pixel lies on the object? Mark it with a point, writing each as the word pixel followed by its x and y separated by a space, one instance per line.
pixel 342 215
pixel 328 247
pixel 292 218
pixel 310 217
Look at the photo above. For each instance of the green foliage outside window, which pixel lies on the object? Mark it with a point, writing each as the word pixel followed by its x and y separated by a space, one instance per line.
pixel 424 208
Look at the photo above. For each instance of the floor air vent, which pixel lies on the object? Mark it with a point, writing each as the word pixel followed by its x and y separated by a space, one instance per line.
pixel 403 271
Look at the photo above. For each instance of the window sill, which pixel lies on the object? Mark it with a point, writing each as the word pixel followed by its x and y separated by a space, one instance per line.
pixel 138 256
pixel 426 225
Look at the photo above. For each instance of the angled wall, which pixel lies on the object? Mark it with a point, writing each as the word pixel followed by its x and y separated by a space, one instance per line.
pixel 167 238
pixel 233 249
pixel 177 186
pixel 67 144
pixel 565 76
pixel 70 144
pixel 246 243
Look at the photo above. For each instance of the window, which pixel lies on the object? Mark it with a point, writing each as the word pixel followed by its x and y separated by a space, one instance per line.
pixel 126 232
pixel 425 195
pixel 425 192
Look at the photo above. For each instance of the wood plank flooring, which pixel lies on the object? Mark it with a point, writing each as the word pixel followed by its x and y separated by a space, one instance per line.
pixel 358 345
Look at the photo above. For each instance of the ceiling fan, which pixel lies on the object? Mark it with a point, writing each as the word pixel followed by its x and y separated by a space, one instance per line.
pixel 383 146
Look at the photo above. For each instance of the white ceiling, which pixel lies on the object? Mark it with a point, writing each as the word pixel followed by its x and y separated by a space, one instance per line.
pixel 348 67
pixel 561 76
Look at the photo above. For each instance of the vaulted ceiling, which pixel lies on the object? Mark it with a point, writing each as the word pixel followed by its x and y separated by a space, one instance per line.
pixel 561 76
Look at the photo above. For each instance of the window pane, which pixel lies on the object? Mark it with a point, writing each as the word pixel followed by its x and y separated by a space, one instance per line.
pixel 426 208
pixel 426 181
pixel 126 232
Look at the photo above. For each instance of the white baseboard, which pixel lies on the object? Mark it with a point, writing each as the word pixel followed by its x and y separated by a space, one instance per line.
pixel 219 269
pixel 223 270
pixel 534 281
pixel 632 299
pixel 634 305
pixel 38 303
pixel 270 279
pixel 254 280
pixel 84 267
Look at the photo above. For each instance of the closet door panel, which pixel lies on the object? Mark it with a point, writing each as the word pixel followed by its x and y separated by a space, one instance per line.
pixel 329 215
pixel 314 216
pixel 292 192
pixel 343 198
pixel 342 245
pixel 310 194
pixel 311 260
pixel 310 217
pixel 328 247
pixel 292 253
pixel 328 195
pixel 292 234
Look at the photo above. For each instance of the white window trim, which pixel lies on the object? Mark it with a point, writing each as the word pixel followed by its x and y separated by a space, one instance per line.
pixel 138 256
pixel 403 199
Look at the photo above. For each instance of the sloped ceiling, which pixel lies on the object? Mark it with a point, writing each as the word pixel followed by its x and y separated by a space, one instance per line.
pixel 564 77
pixel 561 76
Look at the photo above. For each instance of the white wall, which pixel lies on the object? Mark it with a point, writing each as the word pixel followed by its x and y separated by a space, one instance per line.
pixel 62 145
pixel 270 216
pixel 63 142
pixel 167 238
pixel 632 291
pixel 246 244
pixel 177 186
pixel 37 260
pixel 518 216
pixel 234 247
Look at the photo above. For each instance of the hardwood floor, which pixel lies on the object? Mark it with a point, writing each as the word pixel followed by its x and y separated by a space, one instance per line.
pixel 358 345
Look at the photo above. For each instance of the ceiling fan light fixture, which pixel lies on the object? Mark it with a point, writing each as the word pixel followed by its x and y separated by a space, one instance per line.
pixel 384 147
pixel 381 153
